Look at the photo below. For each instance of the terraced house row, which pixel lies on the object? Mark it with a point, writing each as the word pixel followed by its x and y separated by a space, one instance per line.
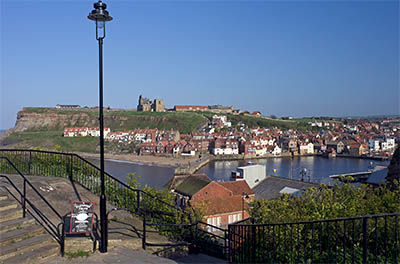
pixel 220 138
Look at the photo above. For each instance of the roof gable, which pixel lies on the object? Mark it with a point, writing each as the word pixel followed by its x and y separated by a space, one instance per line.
pixel 178 179
pixel 237 187
pixel 192 185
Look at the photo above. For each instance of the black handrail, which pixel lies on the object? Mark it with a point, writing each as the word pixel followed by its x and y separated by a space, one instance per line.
pixel 33 188
pixel 51 228
pixel 318 221
pixel 124 185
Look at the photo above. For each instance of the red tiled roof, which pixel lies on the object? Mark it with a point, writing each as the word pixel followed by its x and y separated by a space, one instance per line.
pixel 237 187
pixel 149 144
pixel 219 205
pixel 190 107
pixel 164 143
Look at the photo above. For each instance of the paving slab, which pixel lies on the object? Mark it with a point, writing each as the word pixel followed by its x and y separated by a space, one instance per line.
pixel 125 255
pixel 116 255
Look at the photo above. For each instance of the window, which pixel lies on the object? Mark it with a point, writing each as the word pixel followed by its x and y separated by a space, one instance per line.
pixel 229 219
pixel 219 221
pixel 239 217
pixel 234 218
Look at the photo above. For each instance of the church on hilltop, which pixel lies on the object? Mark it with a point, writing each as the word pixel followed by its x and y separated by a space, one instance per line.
pixel 146 105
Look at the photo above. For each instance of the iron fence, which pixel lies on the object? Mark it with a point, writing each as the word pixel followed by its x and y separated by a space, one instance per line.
pixel 160 214
pixel 78 169
pixel 365 239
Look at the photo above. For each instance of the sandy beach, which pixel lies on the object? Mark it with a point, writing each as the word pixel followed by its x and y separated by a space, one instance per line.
pixel 146 159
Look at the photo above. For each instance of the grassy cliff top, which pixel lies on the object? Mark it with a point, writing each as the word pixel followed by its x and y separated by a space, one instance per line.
pixel 185 122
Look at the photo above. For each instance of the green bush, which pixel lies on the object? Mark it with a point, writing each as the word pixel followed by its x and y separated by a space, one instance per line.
pixel 305 238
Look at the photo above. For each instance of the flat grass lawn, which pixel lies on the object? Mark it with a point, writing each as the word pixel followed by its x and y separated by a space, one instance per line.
pixel 49 139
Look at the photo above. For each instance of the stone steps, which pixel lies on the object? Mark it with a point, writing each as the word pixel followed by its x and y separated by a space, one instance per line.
pixel 35 255
pixel 17 223
pixel 3 196
pixel 7 204
pixel 22 246
pixel 10 214
pixel 22 240
pixel 16 235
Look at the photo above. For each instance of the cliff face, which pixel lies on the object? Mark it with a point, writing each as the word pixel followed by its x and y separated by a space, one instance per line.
pixel 51 119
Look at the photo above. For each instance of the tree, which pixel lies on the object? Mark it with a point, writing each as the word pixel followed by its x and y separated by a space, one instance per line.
pixel 394 169
pixel 340 201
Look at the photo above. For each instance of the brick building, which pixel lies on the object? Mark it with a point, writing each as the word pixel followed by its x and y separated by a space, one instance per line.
pixel 226 202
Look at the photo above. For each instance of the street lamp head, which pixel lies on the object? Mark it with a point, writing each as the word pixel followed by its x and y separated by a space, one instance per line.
pixel 100 15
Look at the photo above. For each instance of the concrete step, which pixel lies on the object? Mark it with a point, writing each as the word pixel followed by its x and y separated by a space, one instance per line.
pixel 16 224
pixel 7 204
pixel 19 234
pixel 3 193
pixel 34 256
pixel 21 246
pixel 3 196
pixel 10 214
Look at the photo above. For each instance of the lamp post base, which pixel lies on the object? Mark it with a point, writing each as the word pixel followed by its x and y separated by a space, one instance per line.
pixel 103 225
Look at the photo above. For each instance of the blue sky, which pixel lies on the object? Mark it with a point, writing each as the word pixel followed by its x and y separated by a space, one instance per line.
pixel 298 58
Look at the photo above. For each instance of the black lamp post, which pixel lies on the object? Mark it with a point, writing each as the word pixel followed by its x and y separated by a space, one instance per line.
pixel 100 16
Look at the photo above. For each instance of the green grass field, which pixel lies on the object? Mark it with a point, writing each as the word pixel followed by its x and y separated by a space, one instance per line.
pixel 53 140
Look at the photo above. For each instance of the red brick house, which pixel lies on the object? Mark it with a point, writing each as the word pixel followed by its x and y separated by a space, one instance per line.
pixel 148 148
pixel 226 202
pixel 247 148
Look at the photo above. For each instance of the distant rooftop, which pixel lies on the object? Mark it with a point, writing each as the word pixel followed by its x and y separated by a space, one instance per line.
pixel 272 187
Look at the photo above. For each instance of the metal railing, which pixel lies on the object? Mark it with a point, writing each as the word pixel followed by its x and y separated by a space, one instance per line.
pixel 118 193
pixel 193 235
pixel 364 239
pixel 27 205
pixel 78 169
pixel 214 243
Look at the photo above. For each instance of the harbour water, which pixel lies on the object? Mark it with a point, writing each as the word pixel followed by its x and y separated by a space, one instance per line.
pixel 317 168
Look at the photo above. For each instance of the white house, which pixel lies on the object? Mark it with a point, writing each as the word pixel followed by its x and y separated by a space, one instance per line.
pixel 373 144
pixel 225 151
pixel 95 131
pixel 277 151
pixel 390 143
pixel 306 148
pixel 260 151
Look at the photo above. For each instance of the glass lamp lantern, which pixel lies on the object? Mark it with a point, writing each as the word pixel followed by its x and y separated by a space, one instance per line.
pixel 100 15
